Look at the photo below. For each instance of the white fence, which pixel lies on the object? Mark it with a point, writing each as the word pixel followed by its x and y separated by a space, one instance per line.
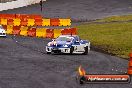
pixel 4 1
pixel 17 4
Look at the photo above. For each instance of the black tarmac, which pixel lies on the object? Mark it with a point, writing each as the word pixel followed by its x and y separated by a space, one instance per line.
pixel 25 64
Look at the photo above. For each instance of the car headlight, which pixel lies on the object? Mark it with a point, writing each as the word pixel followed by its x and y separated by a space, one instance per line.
pixel 49 44
pixel 3 31
pixel 65 45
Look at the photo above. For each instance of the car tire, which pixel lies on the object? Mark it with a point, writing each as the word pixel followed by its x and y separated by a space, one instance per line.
pixel 48 52
pixel 71 50
pixel 86 50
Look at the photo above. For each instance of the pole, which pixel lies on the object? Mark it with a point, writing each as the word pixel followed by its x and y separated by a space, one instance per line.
pixel 41 4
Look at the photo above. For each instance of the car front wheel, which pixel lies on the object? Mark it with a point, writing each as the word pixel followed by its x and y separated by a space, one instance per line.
pixel 71 50
pixel 86 50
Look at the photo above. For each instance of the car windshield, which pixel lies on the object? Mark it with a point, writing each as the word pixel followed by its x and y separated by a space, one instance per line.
pixel 68 39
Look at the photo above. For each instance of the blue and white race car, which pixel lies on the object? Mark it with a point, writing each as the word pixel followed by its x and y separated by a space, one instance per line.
pixel 71 44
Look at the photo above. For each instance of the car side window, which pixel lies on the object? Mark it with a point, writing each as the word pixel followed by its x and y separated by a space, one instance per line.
pixel 77 38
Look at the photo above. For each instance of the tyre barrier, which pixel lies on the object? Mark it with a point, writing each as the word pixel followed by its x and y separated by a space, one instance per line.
pixel 38 22
pixel 32 32
pixel 9 29
pixel 39 32
pixel 50 33
pixel 57 33
pixel 20 16
pixel 24 22
pixel 45 22
pixel 54 22
pixel 10 22
pixel 130 65
pixel 16 22
pixel 69 31
pixel 16 30
pixel 3 21
pixel 65 22
pixel 32 20
pixel 24 31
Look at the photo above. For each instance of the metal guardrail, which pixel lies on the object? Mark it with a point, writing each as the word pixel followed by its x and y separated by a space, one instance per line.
pixel 4 1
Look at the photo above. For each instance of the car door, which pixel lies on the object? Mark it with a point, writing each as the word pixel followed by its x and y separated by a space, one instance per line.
pixel 78 47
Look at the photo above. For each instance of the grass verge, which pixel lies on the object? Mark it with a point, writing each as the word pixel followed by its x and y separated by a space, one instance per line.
pixel 114 38
pixel 116 18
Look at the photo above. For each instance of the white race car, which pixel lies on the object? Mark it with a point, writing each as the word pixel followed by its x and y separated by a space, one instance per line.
pixel 68 44
pixel 2 32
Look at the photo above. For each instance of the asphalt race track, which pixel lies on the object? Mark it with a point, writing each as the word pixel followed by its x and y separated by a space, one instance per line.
pixel 25 64
pixel 79 9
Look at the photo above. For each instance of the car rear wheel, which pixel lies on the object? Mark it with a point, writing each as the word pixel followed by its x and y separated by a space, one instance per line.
pixel 86 50
pixel 71 50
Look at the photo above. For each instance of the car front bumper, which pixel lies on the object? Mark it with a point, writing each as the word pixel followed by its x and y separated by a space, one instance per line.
pixel 57 50
pixel 2 34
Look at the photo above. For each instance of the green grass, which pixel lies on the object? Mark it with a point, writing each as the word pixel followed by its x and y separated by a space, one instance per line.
pixel 116 18
pixel 114 38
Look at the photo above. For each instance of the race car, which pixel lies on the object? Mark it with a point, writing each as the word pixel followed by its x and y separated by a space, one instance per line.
pixel 2 32
pixel 71 44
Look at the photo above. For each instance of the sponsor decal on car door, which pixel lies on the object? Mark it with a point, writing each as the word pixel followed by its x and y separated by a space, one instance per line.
pixel 79 47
